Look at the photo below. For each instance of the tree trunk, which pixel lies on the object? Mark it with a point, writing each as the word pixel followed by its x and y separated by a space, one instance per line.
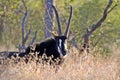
pixel 95 26
pixel 1 27
pixel 48 18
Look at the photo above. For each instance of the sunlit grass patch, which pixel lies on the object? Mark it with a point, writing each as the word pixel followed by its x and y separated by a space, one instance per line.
pixel 76 66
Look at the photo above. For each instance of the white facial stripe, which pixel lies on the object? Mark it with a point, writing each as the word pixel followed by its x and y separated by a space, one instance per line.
pixel 60 43
pixel 60 47
pixel 61 55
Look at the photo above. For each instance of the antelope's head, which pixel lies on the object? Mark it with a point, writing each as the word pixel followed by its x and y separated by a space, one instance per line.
pixel 61 38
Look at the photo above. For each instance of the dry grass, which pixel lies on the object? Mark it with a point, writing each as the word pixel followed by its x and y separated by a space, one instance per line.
pixel 75 67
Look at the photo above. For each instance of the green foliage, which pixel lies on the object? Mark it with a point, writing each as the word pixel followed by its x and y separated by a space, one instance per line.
pixel 12 11
pixel 85 14
pixel 88 14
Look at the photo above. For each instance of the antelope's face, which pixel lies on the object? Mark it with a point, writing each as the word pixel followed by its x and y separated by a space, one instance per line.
pixel 61 44
pixel 61 41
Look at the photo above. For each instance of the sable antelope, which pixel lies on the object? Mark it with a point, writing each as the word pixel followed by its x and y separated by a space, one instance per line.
pixel 56 45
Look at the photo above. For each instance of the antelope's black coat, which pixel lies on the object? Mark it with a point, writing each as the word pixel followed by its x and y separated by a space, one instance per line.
pixel 49 47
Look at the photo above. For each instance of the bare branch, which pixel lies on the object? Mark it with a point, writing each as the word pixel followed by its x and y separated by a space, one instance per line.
pixel 58 20
pixel 24 5
pixel 112 8
pixel 68 24
pixel 105 13
pixel 23 24
pixel 26 36
pixel 22 46
pixel 98 24
pixel 34 38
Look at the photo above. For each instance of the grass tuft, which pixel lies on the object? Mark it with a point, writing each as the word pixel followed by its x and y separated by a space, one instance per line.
pixel 76 66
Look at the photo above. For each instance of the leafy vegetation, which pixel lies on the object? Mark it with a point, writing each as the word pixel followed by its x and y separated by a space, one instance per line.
pixel 85 14
pixel 105 40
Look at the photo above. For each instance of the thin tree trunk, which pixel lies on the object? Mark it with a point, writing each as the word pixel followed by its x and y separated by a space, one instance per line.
pixel 1 28
pixel 95 26
pixel 48 18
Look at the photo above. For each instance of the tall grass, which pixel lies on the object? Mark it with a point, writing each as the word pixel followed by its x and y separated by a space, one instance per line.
pixel 75 67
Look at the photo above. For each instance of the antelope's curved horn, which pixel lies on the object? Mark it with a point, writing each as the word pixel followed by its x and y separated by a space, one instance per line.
pixel 58 20
pixel 68 24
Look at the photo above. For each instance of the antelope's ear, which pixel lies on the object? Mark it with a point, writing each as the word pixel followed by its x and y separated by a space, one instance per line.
pixel 32 47
pixel 54 33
